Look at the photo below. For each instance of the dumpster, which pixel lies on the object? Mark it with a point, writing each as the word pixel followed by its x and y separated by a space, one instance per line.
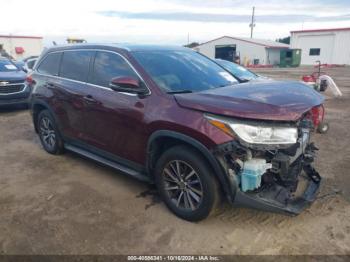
pixel 290 57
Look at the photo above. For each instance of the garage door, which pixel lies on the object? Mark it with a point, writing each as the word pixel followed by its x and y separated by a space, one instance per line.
pixel 316 47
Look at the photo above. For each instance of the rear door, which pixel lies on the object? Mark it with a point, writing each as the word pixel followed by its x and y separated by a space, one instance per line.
pixel 69 88
pixel 44 87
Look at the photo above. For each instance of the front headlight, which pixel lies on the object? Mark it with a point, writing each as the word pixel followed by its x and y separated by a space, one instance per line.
pixel 254 133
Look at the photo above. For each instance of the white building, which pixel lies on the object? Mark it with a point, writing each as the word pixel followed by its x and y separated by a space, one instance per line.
pixel 20 47
pixel 250 51
pixel 330 46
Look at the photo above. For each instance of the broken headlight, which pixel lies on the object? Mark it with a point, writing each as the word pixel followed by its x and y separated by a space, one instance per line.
pixel 255 133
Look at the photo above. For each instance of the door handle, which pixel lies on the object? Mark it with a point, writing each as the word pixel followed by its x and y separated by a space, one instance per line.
pixel 89 99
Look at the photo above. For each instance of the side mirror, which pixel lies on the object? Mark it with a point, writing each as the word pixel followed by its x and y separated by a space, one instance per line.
pixel 128 84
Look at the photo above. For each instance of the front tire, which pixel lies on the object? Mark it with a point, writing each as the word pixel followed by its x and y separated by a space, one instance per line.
pixel 187 184
pixel 48 133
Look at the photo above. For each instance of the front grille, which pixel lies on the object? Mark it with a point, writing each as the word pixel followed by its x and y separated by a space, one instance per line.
pixel 10 89
pixel 20 81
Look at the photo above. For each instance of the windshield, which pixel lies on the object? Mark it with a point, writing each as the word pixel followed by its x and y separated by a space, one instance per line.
pixel 7 66
pixel 183 71
pixel 238 71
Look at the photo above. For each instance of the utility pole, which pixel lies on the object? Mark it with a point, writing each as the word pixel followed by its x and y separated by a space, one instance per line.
pixel 252 24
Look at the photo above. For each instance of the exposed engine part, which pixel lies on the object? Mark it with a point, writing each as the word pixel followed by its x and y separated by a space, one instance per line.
pixel 250 176
pixel 277 188
pixel 233 148
pixel 287 176
pixel 249 155
pixel 287 168
pixel 264 170
pixel 306 123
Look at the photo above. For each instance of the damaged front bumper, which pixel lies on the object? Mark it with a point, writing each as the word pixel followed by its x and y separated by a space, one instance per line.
pixel 269 202
pixel 288 186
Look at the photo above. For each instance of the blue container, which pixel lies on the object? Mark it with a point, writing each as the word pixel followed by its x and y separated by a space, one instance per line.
pixel 252 172
pixel 250 180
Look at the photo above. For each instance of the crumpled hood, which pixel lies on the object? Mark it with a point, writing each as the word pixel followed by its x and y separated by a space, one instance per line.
pixel 275 100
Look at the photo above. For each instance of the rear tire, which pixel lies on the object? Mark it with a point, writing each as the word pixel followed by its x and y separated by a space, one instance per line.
pixel 48 132
pixel 186 183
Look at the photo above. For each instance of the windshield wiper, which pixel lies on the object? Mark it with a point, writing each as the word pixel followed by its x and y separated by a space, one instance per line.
pixel 180 92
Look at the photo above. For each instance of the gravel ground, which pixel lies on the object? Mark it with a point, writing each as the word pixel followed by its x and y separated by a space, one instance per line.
pixel 69 205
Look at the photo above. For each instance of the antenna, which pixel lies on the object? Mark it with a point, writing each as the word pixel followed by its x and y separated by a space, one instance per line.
pixel 252 24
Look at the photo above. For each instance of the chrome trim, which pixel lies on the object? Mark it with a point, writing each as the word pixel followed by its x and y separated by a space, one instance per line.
pixel 103 87
pixel 109 89
pixel 61 78
pixel 23 89
pixel 80 82
pixel 4 83
pixel 13 84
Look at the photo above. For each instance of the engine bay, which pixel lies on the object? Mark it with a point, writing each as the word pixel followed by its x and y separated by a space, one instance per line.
pixel 281 178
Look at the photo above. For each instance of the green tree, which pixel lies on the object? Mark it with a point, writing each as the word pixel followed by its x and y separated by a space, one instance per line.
pixel 285 40
pixel 192 45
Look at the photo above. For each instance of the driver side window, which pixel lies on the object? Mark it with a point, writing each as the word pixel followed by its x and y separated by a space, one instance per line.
pixel 107 66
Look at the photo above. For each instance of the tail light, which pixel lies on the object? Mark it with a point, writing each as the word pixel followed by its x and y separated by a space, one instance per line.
pixel 317 114
pixel 30 80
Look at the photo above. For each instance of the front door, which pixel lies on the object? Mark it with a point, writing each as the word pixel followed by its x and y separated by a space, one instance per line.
pixel 113 120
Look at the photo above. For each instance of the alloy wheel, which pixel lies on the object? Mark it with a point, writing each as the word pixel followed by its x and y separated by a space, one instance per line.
pixel 47 132
pixel 183 185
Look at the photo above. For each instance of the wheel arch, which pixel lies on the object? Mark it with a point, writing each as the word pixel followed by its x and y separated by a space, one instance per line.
pixel 162 140
pixel 36 107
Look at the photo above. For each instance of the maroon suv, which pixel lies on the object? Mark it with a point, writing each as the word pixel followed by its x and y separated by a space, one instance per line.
pixel 174 117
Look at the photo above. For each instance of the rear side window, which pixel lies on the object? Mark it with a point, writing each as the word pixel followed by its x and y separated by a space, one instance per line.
pixel 108 66
pixel 50 65
pixel 75 65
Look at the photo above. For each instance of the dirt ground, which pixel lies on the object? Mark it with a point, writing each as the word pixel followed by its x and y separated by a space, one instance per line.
pixel 69 205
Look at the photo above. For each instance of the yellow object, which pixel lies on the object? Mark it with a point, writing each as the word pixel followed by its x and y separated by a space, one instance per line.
pixel 222 126
pixel 75 40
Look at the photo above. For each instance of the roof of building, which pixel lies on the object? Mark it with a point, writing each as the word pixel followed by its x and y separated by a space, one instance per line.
pixel 321 30
pixel 21 36
pixel 260 42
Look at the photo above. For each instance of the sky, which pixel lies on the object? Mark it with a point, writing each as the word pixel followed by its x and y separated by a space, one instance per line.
pixel 166 21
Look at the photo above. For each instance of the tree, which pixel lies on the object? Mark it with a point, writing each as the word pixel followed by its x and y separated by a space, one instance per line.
pixel 285 40
pixel 192 45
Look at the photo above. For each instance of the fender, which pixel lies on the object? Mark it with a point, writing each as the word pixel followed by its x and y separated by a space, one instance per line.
pixel 36 101
pixel 221 174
